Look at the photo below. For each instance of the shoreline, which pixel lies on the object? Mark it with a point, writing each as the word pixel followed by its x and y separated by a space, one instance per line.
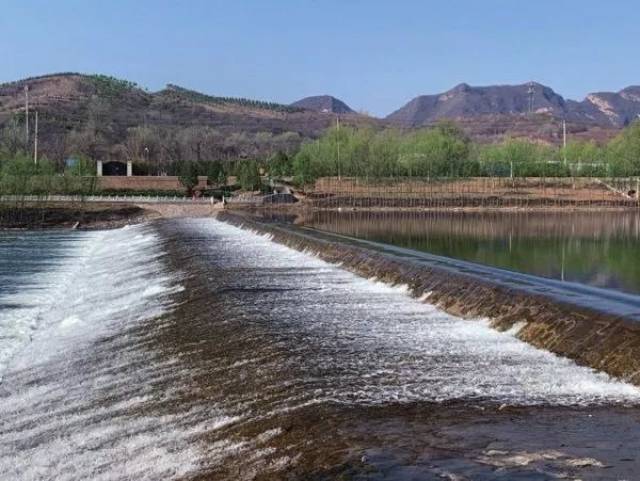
pixel 99 215
pixel 505 209
pixel 94 215
pixel 72 216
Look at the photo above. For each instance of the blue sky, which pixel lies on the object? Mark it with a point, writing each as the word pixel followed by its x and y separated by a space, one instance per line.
pixel 375 55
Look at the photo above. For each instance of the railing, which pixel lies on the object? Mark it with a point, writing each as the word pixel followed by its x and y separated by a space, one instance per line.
pixel 131 199
pixel 413 192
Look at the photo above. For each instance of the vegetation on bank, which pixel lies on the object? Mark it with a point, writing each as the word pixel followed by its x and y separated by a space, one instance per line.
pixel 20 175
pixel 445 151
pixel 441 151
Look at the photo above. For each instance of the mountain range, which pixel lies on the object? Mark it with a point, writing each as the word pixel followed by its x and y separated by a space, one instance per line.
pixel 605 109
pixel 98 113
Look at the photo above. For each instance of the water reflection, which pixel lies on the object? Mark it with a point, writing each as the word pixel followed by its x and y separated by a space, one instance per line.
pixel 596 248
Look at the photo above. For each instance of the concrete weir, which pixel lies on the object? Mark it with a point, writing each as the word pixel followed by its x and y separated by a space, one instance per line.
pixel 594 327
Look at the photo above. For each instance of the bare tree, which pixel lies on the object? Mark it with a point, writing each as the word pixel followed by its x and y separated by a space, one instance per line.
pixel 12 136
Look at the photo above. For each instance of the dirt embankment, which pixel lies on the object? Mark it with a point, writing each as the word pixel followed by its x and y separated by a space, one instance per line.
pixel 605 342
pixel 91 215
pixel 72 215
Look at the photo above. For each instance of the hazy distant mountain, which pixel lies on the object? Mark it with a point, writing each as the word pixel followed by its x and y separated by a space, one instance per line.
pixel 618 109
pixel 605 109
pixel 324 104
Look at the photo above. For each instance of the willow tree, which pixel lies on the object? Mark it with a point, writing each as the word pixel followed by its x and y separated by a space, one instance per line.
pixel 435 152
pixel 623 152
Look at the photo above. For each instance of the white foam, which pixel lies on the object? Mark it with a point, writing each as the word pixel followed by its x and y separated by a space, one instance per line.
pixel 373 343
pixel 90 394
pixel 79 398
pixel 36 295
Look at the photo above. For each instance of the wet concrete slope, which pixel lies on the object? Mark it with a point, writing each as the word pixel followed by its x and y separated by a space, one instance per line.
pixel 594 327
pixel 191 349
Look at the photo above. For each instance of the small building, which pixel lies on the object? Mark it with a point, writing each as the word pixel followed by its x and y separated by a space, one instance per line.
pixel 114 168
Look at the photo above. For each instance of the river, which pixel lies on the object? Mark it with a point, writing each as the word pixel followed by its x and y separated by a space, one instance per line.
pixel 192 349
pixel 597 248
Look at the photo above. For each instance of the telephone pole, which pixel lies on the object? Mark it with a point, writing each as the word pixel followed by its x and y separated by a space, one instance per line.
pixel 338 142
pixel 35 142
pixel 564 140
pixel 26 116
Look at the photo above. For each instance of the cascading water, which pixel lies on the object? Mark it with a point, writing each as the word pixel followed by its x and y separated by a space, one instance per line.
pixel 79 397
pixel 193 349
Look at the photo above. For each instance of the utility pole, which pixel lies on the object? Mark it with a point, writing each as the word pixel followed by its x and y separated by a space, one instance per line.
pixel 531 91
pixel 26 116
pixel 338 142
pixel 564 140
pixel 35 142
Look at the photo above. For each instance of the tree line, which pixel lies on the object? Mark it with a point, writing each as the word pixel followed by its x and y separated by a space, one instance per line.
pixel 445 151
pixel 244 102
pixel 440 151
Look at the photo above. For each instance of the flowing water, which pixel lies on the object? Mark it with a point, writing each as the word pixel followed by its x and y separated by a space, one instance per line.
pixel 192 349
pixel 595 248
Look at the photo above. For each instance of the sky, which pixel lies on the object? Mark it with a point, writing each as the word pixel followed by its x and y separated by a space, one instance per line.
pixel 375 55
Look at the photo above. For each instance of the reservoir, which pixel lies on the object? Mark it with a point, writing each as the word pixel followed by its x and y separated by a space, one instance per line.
pixel 596 248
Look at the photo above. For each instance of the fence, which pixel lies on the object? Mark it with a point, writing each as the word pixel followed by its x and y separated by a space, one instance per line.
pixel 403 192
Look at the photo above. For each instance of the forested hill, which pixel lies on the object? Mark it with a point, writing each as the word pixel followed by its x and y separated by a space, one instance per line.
pixel 104 117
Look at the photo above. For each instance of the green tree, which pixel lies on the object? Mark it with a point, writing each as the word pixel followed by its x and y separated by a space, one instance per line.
pixel 436 152
pixel 623 152
pixel 280 164
pixel 19 175
pixel 303 166
pixel 585 158
pixel 249 175
pixel 215 172
pixel 188 176
pixel 520 158
pixel 384 150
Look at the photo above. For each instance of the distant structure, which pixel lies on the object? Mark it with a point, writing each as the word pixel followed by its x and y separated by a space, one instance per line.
pixel 531 92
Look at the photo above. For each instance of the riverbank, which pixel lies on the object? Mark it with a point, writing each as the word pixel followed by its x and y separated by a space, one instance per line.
pixel 92 215
pixel 475 193
pixel 477 209
pixel 72 215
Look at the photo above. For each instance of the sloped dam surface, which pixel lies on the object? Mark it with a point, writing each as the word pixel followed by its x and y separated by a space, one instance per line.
pixel 237 349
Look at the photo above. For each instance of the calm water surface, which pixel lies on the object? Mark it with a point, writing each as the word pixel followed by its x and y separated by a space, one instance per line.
pixel 597 248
